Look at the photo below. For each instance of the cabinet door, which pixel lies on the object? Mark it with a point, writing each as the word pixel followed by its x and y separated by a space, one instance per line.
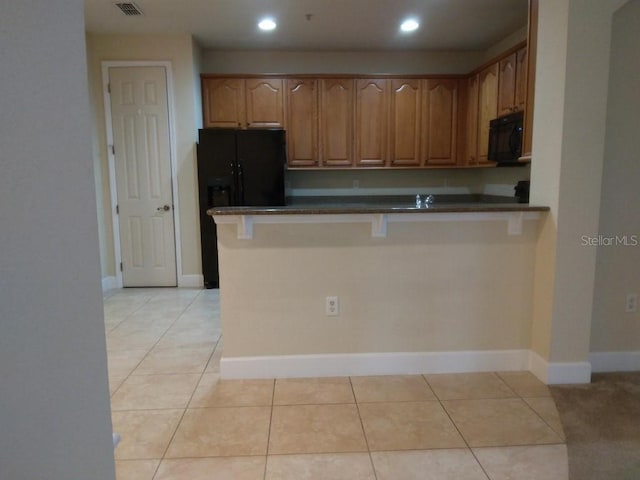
pixel 336 121
pixel 522 61
pixel 507 85
pixel 265 108
pixel 487 108
pixel 405 122
pixel 372 116
pixel 223 102
pixel 440 120
pixel 302 121
pixel 468 121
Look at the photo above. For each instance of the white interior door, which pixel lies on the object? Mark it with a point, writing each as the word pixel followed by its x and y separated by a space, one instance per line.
pixel 140 122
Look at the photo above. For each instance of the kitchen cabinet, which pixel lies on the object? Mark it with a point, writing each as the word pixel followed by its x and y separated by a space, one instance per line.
pixel 392 121
pixel 512 88
pixel 405 122
pixel 337 100
pixel 440 120
pixel 302 122
pixel 507 85
pixel 265 108
pixel 371 123
pixel 468 121
pixel 522 61
pixel 487 109
pixel 223 102
pixel 243 103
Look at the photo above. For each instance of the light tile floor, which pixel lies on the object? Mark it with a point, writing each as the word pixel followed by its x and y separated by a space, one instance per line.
pixel 178 420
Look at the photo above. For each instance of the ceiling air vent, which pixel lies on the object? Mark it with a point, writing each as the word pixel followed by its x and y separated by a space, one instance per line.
pixel 129 9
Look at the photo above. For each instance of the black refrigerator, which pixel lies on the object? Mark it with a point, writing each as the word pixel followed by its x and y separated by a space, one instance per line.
pixel 236 168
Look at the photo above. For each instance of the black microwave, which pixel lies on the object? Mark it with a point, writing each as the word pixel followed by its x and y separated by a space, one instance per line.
pixel 505 139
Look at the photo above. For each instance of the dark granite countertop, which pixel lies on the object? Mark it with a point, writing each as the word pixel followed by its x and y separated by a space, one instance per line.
pixel 385 205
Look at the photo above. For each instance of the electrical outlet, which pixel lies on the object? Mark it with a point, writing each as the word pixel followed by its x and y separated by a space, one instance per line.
pixel 332 307
pixel 631 305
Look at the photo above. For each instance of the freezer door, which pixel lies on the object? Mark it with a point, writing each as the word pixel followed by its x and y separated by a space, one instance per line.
pixel 217 167
pixel 261 159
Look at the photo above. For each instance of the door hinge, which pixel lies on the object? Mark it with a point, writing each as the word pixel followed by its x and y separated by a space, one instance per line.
pixel 120 266
pixel 113 149
pixel 117 209
pixel 109 87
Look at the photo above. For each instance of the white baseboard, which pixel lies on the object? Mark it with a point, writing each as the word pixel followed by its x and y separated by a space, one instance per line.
pixel 109 283
pixel 190 281
pixel 556 373
pixel 329 365
pixel 184 281
pixel 615 361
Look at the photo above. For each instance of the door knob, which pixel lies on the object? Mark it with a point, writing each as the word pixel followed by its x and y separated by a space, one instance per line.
pixel 165 208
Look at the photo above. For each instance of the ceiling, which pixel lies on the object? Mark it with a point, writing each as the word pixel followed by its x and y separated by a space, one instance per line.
pixel 446 25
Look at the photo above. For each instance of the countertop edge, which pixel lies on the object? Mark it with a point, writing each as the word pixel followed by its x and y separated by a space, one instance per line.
pixel 353 210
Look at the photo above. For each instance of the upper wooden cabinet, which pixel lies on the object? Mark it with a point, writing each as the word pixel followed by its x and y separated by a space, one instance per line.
pixel 468 121
pixel 371 125
pixel 512 84
pixel 243 103
pixel 337 101
pixel 302 121
pixel 223 102
pixel 522 61
pixel 265 107
pixel 440 119
pixel 356 121
pixel 487 108
pixel 507 85
pixel 405 128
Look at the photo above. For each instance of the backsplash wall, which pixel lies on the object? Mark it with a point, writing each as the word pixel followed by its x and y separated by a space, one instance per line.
pixel 491 181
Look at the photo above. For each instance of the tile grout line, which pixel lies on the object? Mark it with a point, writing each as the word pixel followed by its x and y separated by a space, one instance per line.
pixel 143 357
pixel 128 314
pixel 187 404
pixel 364 434
pixel 521 397
pixel 459 432
pixel 266 456
pixel 564 441
pixel 158 341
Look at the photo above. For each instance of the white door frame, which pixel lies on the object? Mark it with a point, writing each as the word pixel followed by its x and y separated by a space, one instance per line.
pixel 112 164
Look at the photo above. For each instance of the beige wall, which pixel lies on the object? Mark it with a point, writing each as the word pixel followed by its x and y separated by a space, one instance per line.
pixel 493 181
pixel 181 51
pixel 618 266
pixel 505 44
pixel 54 401
pixel 224 61
pixel 568 149
pixel 450 286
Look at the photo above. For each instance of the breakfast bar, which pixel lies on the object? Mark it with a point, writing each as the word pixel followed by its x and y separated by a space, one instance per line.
pixel 325 287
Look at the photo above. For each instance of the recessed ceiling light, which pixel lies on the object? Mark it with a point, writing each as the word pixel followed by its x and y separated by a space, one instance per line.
pixel 267 24
pixel 409 25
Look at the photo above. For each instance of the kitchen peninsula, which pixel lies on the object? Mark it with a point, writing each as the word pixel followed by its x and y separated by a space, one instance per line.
pixel 441 288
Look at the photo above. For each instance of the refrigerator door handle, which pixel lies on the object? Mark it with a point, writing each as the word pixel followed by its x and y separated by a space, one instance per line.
pixel 241 182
